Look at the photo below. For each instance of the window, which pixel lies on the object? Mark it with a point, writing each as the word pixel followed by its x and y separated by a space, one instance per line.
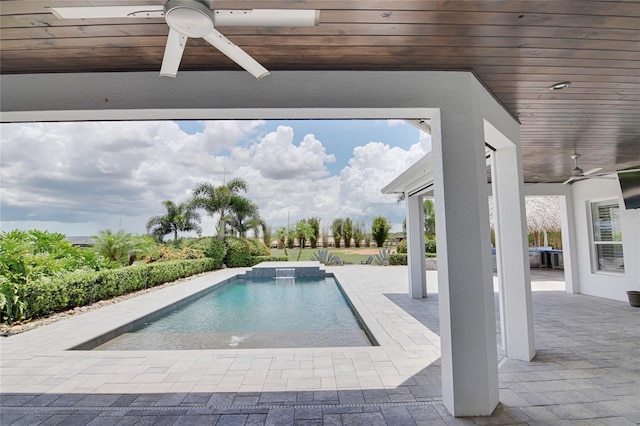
pixel 607 236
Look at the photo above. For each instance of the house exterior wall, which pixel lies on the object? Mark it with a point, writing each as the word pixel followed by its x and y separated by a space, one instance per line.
pixel 602 284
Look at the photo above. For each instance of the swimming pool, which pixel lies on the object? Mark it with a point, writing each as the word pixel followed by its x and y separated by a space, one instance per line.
pixel 253 313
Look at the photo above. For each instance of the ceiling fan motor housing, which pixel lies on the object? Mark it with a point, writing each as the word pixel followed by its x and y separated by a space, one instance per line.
pixel 577 171
pixel 189 17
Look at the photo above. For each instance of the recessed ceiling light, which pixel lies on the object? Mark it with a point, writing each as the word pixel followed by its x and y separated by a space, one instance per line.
pixel 560 86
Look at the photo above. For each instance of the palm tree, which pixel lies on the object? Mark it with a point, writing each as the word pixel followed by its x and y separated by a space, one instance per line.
pixel 336 229
pixel 281 232
pixel 347 232
pixel 303 231
pixel 243 217
pixel 315 225
pixel 179 218
pixel 359 229
pixel 267 233
pixel 220 200
pixel 117 247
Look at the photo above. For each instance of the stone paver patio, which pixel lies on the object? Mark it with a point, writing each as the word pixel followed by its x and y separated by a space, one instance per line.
pixel 587 368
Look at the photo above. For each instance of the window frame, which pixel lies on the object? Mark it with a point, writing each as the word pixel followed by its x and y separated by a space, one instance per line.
pixel 594 242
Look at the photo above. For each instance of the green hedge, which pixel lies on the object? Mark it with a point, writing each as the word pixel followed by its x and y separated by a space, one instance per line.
pixel 429 246
pixel 258 259
pixel 82 288
pixel 397 259
pixel 238 252
pixel 401 258
pixel 259 248
pixel 212 247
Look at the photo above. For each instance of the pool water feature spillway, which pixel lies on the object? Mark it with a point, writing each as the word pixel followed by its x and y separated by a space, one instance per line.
pixel 285 273
pixel 254 312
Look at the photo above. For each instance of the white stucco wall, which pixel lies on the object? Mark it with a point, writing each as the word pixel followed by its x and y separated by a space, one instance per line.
pixel 609 285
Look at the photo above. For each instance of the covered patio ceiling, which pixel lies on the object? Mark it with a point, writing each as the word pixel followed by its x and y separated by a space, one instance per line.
pixel 518 49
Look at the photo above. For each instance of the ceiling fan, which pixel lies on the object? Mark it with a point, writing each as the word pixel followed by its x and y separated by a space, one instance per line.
pixel 578 174
pixel 195 19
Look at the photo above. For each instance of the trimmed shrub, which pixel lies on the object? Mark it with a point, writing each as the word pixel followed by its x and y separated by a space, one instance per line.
pixel 164 272
pixel 216 251
pixel 238 252
pixel 430 246
pixel 259 259
pixel 212 247
pixel 167 254
pixel 259 248
pixel 81 288
pixel 398 259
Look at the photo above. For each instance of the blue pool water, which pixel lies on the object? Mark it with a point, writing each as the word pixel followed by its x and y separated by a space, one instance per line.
pixel 253 313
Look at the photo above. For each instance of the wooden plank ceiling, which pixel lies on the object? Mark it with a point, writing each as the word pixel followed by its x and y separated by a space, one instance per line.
pixel 517 48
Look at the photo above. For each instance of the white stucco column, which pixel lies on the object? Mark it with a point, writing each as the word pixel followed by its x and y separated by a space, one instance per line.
pixel 569 251
pixel 415 247
pixel 465 276
pixel 512 250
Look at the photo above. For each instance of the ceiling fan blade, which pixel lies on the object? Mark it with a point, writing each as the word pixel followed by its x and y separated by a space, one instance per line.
pixel 267 18
pixel 571 179
pixel 105 12
pixel 173 53
pixel 628 171
pixel 591 171
pixel 241 57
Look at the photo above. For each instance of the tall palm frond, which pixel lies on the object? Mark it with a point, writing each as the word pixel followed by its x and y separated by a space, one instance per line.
pixel 219 200
pixel 243 216
pixel 179 218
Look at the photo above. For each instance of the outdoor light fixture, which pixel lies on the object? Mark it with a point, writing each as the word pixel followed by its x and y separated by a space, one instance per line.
pixel 560 86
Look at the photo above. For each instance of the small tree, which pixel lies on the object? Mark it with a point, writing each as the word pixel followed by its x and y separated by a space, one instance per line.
pixel 358 233
pixel 302 238
pixel 347 232
pixel 315 225
pixel 303 231
pixel 243 217
pixel 380 230
pixel 336 229
pixel 220 200
pixel 282 238
pixel 325 237
pixel 267 234
pixel 429 218
pixel 179 218
pixel 121 247
pixel 291 237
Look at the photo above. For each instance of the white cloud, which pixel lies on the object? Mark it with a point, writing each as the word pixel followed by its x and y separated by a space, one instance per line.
pixel 78 178
pixel 370 169
pixel 277 157
pixel 74 171
pixel 219 136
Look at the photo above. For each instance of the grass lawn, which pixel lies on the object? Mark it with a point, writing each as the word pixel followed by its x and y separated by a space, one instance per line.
pixel 348 255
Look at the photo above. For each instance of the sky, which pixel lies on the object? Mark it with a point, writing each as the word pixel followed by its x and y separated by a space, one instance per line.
pixel 82 177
